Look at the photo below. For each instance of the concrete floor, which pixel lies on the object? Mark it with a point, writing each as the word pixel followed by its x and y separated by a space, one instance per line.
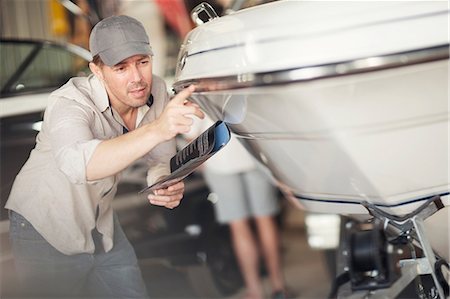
pixel 304 269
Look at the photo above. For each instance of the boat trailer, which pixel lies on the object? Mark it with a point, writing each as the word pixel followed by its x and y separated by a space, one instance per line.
pixel 381 257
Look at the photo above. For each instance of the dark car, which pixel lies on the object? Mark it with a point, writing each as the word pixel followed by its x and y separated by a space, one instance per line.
pixel 186 238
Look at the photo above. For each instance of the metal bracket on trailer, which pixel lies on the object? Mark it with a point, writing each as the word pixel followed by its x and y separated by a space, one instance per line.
pixel 411 227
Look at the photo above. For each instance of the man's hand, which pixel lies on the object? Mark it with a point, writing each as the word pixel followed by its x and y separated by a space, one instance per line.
pixel 169 197
pixel 175 117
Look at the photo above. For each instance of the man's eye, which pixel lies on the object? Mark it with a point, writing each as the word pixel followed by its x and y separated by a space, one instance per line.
pixel 145 61
pixel 119 69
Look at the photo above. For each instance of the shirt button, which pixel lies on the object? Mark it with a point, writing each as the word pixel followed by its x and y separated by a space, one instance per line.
pixel 22 224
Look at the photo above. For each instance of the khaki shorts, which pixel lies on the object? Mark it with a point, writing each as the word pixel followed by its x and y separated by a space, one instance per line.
pixel 242 195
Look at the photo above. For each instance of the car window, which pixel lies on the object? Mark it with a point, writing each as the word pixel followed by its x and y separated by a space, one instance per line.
pixel 13 55
pixel 38 67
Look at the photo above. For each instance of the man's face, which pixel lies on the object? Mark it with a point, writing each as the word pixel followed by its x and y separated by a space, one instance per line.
pixel 129 82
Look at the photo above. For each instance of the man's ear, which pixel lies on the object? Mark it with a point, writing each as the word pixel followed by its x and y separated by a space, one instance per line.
pixel 95 69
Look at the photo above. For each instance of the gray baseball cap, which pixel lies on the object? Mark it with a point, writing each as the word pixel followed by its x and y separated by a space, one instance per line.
pixel 117 38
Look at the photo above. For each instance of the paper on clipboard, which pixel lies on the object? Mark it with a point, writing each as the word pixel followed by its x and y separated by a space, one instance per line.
pixel 193 155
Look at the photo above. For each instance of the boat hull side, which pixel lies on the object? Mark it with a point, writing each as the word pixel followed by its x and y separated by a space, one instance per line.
pixel 380 137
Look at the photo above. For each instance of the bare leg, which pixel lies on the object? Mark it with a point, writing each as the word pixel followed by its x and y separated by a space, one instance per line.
pixel 246 250
pixel 268 234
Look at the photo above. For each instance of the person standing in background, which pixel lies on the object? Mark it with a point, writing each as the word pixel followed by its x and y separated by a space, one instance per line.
pixel 245 194
pixel 66 239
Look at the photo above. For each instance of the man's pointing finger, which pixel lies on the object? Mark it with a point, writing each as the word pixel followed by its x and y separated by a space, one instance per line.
pixel 183 95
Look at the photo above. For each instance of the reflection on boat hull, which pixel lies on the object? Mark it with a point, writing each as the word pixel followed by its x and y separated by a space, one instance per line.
pixel 380 137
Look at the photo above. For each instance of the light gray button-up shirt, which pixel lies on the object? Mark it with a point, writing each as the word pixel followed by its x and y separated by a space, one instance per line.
pixel 52 192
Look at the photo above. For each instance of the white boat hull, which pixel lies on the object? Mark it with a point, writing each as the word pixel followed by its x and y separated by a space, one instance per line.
pixel 347 110
pixel 376 137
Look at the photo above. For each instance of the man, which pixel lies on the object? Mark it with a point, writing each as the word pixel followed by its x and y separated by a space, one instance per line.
pixel 66 239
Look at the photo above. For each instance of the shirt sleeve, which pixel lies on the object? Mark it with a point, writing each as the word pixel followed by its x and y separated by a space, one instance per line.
pixel 158 161
pixel 71 138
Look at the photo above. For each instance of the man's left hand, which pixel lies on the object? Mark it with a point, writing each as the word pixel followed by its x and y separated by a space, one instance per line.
pixel 169 197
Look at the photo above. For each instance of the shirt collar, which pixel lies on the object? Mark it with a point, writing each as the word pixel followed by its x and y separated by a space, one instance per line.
pixel 143 110
pixel 100 96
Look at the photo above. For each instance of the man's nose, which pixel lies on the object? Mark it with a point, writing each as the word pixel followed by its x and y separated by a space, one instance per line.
pixel 136 74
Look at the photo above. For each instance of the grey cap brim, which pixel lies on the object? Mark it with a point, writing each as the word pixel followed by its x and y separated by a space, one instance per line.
pixel 113 56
